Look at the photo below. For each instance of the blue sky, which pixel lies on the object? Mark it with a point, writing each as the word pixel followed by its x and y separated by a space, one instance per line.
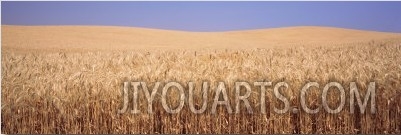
pixel 207 16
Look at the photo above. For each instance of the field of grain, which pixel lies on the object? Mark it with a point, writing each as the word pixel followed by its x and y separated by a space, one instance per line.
pixel 70 80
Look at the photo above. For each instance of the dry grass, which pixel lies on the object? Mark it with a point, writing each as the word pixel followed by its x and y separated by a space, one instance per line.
pixel 80 92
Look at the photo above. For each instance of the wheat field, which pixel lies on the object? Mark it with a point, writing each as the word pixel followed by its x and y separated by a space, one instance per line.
pixel 54 81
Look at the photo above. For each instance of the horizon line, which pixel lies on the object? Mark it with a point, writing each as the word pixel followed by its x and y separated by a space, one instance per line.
pixel 180 30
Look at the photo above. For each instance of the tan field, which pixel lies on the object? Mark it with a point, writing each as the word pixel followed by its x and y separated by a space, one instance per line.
pixel 125 38
pixel 69 79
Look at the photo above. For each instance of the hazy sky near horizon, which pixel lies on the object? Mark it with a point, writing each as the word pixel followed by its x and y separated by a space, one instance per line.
pixel 207 16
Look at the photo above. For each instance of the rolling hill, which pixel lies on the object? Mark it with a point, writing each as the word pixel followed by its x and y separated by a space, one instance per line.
pixel 130 38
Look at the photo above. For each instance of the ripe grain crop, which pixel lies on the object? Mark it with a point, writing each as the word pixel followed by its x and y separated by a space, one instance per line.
pixel 69 79
pixel 80 92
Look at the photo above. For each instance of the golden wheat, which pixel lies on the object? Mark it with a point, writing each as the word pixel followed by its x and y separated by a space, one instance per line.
pixel 80 92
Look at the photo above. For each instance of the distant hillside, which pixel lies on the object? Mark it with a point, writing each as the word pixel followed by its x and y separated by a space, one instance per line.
pixel 130 38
